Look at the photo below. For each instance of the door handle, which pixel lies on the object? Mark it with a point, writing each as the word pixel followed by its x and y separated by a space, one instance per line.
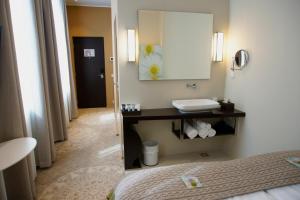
pixel 101 75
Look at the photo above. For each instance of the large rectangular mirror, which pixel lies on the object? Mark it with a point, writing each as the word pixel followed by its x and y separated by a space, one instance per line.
pixel 174 45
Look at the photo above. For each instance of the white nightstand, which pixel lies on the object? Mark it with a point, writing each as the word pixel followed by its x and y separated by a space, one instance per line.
pixel 12 152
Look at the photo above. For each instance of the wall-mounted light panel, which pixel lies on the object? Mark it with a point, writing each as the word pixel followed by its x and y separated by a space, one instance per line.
pixel 218 42
pixel 131 45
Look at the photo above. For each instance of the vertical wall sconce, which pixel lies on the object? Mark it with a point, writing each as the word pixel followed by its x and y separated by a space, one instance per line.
pixel 131 45
pixel 218 42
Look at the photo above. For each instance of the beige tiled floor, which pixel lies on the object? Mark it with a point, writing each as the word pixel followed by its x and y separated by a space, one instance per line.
pixel 186 158
pixel 192 157
pixel 89 164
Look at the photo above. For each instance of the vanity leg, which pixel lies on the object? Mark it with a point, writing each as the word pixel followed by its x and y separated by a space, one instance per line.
pixel 2 187
pixel 132 147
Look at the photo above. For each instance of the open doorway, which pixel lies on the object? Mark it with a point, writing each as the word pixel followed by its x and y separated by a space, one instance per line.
pixel 90 32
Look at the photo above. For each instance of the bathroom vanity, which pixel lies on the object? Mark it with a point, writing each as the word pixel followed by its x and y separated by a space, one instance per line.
pixel 172 49
pixel 133 142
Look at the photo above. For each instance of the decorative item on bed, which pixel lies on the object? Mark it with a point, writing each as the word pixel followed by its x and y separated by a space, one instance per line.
pixel 219 180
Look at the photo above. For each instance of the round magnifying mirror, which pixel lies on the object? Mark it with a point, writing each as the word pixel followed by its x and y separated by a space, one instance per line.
pixel 241 58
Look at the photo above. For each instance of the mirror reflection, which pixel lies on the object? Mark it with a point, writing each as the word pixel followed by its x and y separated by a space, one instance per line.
pixel 174 45
pixel 241 58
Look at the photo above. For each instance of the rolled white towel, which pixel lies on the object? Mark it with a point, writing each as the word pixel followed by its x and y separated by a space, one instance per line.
pixel 208 125
pixel 190 131
pixel 203 133
pixel 211 132
pixel 199 124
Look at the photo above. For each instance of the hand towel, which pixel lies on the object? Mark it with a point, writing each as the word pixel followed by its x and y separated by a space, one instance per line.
pixel 211 132
pixel 190 131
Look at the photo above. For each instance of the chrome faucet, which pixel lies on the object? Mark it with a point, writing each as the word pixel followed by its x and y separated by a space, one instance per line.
pixel 191 85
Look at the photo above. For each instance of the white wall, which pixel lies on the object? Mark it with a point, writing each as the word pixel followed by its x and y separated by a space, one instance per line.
pixel 158 94
pixel 268 89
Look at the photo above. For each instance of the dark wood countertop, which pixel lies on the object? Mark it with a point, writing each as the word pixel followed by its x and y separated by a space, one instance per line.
pixel 173 113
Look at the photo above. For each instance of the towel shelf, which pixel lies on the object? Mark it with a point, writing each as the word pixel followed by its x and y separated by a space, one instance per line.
pixel 133 143
pixel 221 128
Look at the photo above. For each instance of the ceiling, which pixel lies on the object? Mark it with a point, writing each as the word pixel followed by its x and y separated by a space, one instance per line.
pixel 96 3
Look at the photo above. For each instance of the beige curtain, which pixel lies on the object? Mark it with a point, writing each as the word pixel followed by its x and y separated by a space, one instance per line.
pixel 60 107
pixel 54 100
pixel 50 68
pixel 50 125
pixel 61 30
pixel 73 97
pixel 19 178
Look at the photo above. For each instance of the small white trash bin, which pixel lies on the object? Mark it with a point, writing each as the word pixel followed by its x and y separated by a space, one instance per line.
pixel 150 153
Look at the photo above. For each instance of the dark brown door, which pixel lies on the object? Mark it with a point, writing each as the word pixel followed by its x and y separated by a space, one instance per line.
pixel 90 71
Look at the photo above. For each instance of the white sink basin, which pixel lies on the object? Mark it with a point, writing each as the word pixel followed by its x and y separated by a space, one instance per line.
pixel 193 105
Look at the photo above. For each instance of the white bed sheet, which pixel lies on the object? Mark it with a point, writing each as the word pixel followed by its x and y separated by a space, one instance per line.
pixel 283 193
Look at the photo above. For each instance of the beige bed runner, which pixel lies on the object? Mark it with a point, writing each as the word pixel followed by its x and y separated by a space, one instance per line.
pixel 220 179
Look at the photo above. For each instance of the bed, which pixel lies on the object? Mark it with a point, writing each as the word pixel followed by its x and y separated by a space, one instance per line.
pixel 264 177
